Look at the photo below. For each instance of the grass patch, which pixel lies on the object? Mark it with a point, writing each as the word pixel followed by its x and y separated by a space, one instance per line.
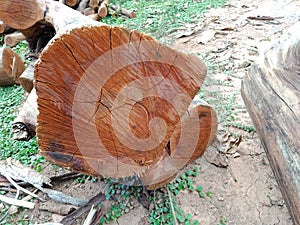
pixel 10 98
pixel 161 18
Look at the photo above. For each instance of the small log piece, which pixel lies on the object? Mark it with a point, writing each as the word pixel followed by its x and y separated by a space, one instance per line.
pixel 124 12
pixel 24 126
pixel 13 39
pixel 5 78
pixel 27 77
pixel 102 10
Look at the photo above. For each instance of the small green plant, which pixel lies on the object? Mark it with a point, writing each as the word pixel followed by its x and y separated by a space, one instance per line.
pixel 161 18
pixel 82 179
pixel 223 221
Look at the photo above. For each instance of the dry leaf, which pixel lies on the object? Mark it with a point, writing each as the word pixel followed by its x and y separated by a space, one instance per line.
pixel 206 36
pixel 186 33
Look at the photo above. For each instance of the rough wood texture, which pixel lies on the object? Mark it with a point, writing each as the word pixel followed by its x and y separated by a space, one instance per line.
pixel 24 126
pixel 11 67
pixel 271 91
pixel 13 39
pixel 13 64
pixel 4 29
pixel 5 78
pixel 114 120
pixel 102 10
pixel 27 77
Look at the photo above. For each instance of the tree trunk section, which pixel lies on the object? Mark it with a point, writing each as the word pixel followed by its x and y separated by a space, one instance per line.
pixel 110 99
pixel 271 91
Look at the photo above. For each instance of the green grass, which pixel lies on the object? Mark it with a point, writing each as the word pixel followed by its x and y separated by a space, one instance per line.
pixel 161 18
pixel 10 98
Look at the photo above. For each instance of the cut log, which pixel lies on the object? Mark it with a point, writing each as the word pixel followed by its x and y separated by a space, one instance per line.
pixel 271 91
pixel 24 126
pixel 93 3
pixel 94 16
pixel 27 77
pixel 12 64
pixel 13 39
pixel 71 3
pixel 124 12
pixel 102 10
pixel 4 29
pixel 114 120
pixel 89 11
pixel 82 5
pixel 5 78
pixel 11 67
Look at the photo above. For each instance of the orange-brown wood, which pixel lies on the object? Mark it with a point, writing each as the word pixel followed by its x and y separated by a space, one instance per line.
pixel 88 11
pixel 12 64
pixel 102 10
pixel 13 39
pixel 11 67
pixel 271 91
pixel 111 99
pixel 4 29
pixel 27 77
pixel 93 3
pixel 140 59
pixel 5 78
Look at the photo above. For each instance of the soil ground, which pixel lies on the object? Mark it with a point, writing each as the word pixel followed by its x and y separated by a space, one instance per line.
pixel 243 187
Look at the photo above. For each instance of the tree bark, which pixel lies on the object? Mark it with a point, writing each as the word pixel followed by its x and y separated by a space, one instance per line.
pixel 24 126
pixel 271 91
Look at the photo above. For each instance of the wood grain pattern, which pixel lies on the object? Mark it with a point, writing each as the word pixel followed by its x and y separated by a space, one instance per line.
pixel 271 91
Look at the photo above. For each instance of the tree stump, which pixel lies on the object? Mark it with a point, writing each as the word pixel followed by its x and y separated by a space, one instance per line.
pixel 271 91
pixel 115 102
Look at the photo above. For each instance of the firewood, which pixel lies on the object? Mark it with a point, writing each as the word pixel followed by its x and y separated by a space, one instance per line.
pixel 4 29
pixel 271 93
pixel 102 10
pixel 93 3
pixel 89 11
pixel 5 78
pixel 125 12
pixel 13 39
pixel 27 77
pixel 71 3
pixel 24 126
pixel 95 16
pixel 82 5
pixel 11 67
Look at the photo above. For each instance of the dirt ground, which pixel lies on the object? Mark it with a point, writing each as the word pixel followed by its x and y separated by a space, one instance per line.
pixel 245 192
pixel 243 187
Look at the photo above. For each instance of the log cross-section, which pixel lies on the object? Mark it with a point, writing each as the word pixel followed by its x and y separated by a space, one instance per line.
pixel 114 102
pixel 271 91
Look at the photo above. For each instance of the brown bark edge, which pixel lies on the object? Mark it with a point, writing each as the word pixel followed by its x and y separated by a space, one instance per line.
pixel 272 95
